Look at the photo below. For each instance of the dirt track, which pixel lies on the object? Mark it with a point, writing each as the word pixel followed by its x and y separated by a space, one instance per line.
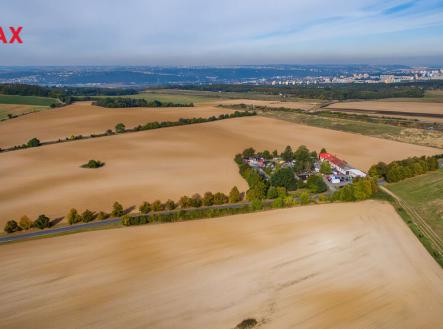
pixel 352 265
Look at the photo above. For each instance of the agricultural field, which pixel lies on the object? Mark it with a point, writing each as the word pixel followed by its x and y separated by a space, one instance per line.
pixel 302 105
pixel 18 109
pixel 430 138
pixel 354 265
pixel 27 100
pixel 425 194
pixel 140 166
pixel 179 98
pixel 84 118
pixel 407 107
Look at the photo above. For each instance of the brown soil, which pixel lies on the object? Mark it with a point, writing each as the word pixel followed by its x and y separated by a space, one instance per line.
pixel 354 265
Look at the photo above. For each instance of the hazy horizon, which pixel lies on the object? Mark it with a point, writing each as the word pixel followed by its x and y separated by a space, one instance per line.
pixel 203 33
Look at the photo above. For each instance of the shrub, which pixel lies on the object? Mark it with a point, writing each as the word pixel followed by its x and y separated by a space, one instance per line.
pixel 325 168
pixel 272 193
pixel 196 201
pixel 288 154
pixel 145 207
pixel 285 178
pixel 93 164
pixel 360 189
pixel 249 152
pixel 11 226
pixel 102 215
pixel 120 128
pixel 34 142
pixel 157 206
pixel 25 223
pixel 316 184
pixel 278 203
pixel 323 198
pixel 117 210
pixel 234 195
pixel 256 205
pixel 305 198
pixel 73 216
pixel 208 199
pixel 281 192
pixel 42 222
pixel 220 198
pixel 170 205
pixel 87 216
pixel 184 202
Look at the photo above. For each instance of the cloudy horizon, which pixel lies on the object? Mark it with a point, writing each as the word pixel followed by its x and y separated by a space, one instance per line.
pixel 196 32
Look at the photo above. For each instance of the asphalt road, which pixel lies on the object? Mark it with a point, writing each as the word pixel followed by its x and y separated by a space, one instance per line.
pixel 79 227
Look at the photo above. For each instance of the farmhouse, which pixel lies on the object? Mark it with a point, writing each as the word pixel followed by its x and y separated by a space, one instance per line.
pixel 341 166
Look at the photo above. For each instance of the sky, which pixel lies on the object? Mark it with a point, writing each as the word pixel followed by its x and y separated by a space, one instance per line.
pixel 223 32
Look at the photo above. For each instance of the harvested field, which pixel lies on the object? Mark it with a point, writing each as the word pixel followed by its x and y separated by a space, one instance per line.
pixel 354 265
pixel 17 109
pixel 302 105
pixel 164 163
pixel 84 118
pixel 408 107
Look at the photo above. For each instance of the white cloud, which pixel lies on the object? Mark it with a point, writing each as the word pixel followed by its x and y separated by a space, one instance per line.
pixel 198 31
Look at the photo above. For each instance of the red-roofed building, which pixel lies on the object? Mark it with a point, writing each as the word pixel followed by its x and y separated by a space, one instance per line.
pixel 340 165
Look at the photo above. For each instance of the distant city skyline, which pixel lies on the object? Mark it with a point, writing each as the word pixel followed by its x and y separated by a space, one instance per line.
pixel 197 32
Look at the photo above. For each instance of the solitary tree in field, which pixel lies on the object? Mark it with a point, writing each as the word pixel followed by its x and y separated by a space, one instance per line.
pixel 117 210
pixel 234 195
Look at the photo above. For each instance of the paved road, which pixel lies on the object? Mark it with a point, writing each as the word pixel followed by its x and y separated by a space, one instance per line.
pixel 73 228
pixel 79 227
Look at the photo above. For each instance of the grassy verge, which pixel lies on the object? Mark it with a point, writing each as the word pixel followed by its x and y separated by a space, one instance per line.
pixel 407 135
pixel 380 195
pixel 27 100
pixel 425 194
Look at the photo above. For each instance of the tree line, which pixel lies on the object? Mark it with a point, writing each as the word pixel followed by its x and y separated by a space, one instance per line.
pixel 122 102
pixel 120 128
pixel 396 171
pixel 326 92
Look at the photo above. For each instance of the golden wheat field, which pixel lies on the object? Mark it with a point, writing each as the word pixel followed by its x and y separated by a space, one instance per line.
pixel 164 163
pixel 354 265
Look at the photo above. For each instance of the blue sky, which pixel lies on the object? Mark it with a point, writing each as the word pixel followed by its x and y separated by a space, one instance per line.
pixel 213 32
